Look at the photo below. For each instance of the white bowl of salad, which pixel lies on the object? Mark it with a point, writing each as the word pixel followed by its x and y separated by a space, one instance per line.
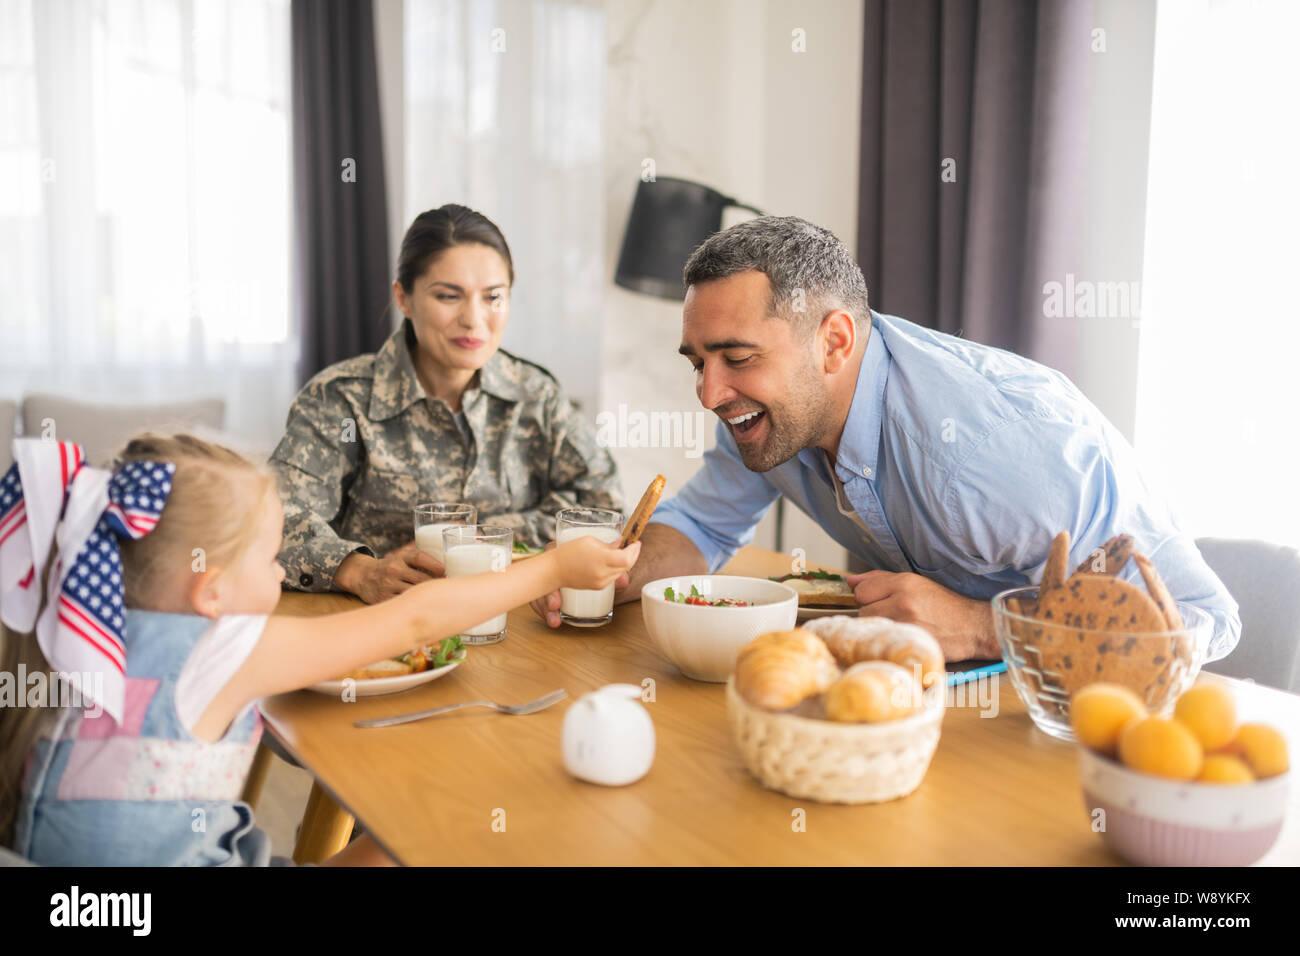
pixel 700 621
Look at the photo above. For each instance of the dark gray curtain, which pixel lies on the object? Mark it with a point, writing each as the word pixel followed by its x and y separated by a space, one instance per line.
pixel 342 270
pixel 999 88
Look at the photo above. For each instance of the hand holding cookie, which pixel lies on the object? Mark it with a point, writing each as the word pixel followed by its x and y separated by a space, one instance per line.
pixel 636 524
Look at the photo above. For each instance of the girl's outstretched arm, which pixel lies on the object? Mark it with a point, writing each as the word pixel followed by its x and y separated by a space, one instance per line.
pixel 295 652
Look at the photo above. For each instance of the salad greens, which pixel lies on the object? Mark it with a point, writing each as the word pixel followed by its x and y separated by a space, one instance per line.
pixel 670 595
pixel 811 576
pixel 698 599
pixel 451 649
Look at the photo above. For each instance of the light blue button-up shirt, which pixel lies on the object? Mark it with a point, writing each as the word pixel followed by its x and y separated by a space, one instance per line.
pixel 963 462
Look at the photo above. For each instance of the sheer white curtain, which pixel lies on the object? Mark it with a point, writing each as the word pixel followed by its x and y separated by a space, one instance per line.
pixel 1218 388
pixel 505 114
pixel 145 203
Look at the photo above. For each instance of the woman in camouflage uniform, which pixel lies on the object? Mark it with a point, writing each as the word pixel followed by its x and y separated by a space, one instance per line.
pixel 439 413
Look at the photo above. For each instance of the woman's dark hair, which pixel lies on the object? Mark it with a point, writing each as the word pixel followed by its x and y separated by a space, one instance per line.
pixel 436 231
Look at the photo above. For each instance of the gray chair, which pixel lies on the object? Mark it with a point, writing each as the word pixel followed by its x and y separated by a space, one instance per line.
pixel 8 424
pixel 103 428
pixel 1265 580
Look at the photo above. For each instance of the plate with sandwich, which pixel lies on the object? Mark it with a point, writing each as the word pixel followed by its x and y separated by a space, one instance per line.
pixel 396 674
pixel 821 593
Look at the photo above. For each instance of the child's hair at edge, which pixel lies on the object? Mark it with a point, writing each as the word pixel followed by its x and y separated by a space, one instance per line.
pixel 216 500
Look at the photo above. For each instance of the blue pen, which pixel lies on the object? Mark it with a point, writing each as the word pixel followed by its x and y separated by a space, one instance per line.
pixel 988 670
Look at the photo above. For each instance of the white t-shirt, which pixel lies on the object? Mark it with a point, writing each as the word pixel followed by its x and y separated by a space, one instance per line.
pixel 220 652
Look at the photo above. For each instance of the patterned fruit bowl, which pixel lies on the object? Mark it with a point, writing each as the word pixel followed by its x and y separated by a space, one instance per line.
pixel 1152 821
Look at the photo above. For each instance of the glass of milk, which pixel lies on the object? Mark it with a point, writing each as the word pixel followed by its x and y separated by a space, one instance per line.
pixel 472 549
pixel 587 608
pixel 432 519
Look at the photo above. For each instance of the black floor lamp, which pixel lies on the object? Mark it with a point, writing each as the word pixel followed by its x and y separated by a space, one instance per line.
pixel 670 219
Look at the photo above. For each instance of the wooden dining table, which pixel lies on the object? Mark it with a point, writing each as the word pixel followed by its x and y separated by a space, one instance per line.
pixel 479 788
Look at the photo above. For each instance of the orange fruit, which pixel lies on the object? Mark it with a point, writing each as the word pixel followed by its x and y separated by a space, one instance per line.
pixel 1161 747
pixel 1221 768
pixel 1098 712
pixel 1208 711
pixel 1262 748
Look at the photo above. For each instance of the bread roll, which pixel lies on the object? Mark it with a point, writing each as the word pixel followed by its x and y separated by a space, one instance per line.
pixel 850 639
pixel 379 669
pixel 913 647
pixel 854 639
pixel 776 671
pixel 873 692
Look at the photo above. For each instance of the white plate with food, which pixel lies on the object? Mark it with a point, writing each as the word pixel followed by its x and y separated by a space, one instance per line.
pixel 821 594
pixel 398 674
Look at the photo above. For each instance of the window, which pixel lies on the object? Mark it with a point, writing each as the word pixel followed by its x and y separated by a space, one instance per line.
pixel 145 163
pixel 1218 387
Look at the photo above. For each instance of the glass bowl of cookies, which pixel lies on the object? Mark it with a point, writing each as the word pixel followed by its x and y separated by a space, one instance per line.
pixel 843 710
pixel 1048 661
pixel 1093 626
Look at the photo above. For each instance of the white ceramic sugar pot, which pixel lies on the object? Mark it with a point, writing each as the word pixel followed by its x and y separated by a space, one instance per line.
pixel 608 736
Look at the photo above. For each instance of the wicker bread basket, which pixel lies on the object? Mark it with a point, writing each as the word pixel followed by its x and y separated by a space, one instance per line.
pixel 834 762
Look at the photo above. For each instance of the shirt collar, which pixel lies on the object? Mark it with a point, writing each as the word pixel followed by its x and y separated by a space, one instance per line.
pixel 396 387
pixel 860 443
pixel 501 377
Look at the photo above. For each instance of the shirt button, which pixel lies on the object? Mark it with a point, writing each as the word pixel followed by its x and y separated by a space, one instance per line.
pixel 304 580
pixel 866 472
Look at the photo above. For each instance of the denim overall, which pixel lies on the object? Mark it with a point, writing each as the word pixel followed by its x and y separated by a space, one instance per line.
pixel 145 792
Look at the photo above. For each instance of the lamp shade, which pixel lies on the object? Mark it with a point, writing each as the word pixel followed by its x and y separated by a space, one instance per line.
pixel 670 218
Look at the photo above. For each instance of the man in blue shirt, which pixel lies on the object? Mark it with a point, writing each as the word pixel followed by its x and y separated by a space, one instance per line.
pixel 946 465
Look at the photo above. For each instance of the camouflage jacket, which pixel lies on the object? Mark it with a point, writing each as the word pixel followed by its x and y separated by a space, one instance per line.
pixel 364 445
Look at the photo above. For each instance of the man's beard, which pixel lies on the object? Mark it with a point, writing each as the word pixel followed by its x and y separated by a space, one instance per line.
pixel 792 426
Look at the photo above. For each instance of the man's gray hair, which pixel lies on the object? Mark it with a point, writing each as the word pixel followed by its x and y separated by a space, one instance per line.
pixel 811 271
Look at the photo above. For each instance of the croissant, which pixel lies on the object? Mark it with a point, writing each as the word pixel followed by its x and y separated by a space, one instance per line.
pixel 776 671
pixel 854 639
pixel 872 692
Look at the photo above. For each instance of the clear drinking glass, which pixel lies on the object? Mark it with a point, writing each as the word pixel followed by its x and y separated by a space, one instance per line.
pixel 587 608
pixel 433 518
pixel 473 549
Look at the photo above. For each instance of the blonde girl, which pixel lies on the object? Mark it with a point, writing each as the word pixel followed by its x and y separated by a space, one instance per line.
pixel 82 788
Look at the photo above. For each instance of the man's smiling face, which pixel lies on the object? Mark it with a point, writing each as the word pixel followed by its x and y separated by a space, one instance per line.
pixel 754 370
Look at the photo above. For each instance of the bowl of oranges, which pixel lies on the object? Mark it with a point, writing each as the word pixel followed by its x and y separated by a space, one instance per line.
pixel 1196 788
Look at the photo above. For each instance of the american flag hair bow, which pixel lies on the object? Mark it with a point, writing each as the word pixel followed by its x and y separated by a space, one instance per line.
pixel 51 495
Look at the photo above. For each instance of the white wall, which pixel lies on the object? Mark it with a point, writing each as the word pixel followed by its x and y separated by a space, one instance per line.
pixel 1118 136
pixel 713 92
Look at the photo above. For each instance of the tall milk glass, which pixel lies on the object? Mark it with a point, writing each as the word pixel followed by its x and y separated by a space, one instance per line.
pixel 435 517
pixel 587 608
pixel 474 549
